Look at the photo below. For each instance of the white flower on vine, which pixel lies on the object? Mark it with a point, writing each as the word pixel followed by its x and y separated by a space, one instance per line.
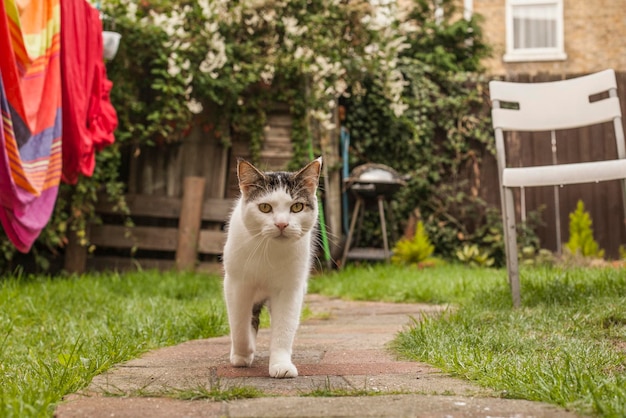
pixel 397 45
pixel 267 74
pixel 371 49
pixel 268 15
pixel 173 25
pixel 194 106
pixel 211 27
pixel 292 28
pixel 408 26
pixel 252 20
pixel 395 84
pixel 173 68
pixel 131 9
pixel 255 4
pixel 341 86
pixel 215 57
pixel 323 118
pixel 303 53
pixel 398 108
pixel 207 8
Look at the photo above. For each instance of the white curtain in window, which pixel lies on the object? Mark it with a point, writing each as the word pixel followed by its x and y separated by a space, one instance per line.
pixel 535 26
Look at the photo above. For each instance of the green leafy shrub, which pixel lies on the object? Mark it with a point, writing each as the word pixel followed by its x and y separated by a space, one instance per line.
pixel 473 256
pixel 622 252
pixel 530 255
pixel 413 251
pixel 581 241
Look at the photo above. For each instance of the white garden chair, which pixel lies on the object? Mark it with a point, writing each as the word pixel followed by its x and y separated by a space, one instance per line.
pixel 552 106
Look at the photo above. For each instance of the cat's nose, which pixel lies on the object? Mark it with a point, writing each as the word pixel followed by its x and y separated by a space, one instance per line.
pixel 281 225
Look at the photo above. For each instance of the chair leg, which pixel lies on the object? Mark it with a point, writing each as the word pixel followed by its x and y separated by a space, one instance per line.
pixel 510 236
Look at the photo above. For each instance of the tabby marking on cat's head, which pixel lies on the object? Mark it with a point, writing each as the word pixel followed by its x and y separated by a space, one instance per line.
pixel 279 204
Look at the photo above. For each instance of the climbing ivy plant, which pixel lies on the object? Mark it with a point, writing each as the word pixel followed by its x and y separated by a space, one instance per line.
pixel 442 134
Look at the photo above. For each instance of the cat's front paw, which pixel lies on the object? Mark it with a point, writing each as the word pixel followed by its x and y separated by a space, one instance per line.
pixel 241 361
pixel 283 370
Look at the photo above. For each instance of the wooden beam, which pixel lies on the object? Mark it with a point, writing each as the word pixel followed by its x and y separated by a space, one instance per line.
pixel 143 237
pixel 189 223
pixel 213 210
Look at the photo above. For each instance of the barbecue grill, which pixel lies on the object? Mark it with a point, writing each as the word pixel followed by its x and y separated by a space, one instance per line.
pixel 373 180
pixel 369 183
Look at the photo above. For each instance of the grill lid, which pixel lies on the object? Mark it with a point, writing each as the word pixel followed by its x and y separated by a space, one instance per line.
pixel 374 180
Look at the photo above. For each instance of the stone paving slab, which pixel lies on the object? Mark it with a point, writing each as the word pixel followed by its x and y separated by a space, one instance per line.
pixel 343 347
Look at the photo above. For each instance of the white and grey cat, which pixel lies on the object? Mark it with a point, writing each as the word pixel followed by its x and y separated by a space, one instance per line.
pixel 267 260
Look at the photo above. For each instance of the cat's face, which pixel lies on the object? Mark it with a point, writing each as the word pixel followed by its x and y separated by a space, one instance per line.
pixel 279 205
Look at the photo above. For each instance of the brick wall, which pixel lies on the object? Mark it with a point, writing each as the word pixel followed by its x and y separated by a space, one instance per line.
pixel 595 38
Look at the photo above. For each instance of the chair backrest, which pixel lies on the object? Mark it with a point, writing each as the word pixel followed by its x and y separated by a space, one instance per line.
pixel 554 105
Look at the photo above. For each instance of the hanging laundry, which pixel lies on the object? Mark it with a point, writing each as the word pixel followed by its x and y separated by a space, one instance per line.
pixel 89 119
pixel 30 102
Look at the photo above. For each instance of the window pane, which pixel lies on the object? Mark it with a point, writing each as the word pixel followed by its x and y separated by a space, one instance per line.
pixel 534 26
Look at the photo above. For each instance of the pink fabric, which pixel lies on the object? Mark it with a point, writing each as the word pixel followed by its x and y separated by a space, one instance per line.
pixel 30 120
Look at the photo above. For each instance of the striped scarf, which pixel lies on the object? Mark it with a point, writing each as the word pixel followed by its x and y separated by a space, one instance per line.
pixel 30 128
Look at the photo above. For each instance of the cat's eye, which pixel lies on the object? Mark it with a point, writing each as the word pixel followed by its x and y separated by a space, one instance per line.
pixel 265 207
pixel 297 207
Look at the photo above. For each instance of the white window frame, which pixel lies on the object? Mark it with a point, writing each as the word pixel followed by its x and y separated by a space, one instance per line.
pixel 556 53
pixel 468 9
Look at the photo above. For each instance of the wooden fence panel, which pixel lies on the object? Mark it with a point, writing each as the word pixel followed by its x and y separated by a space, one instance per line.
pixel 153 241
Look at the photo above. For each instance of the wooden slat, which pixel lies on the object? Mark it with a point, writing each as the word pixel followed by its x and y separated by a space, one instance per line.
pixel 211 242
pixel 214 210
pixel 141 237
pixel 152 238
pixel 122 264
pixel 144 205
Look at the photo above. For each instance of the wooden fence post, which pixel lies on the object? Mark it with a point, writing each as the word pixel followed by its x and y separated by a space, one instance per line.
pixel 189 223
pixel 75 261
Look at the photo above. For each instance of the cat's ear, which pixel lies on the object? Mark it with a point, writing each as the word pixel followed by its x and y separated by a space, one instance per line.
pixel 249 176
pixel 309 176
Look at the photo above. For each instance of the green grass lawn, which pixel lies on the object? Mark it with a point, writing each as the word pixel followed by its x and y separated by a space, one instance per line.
pixel 56 334
pixel 566 345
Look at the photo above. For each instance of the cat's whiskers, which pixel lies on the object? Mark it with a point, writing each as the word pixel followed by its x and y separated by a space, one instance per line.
pixel 260 244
